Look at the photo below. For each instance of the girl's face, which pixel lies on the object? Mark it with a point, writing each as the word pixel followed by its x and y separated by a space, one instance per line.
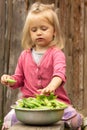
pixel 41 32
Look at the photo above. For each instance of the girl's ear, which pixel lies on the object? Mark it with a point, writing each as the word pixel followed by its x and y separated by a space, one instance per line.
pixel 54 34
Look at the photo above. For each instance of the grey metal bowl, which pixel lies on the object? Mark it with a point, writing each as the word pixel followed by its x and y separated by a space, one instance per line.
pixel 38 117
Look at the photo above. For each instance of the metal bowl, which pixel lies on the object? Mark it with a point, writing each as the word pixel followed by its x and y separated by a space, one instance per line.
pixel 38 117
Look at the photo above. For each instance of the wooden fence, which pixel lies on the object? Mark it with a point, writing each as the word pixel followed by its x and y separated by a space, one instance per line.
pixel 73 21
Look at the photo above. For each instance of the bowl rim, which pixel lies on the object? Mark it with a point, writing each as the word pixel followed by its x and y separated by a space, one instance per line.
pixel 44 109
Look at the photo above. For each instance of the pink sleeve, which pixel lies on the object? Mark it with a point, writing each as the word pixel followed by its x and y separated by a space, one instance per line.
pixel 59 65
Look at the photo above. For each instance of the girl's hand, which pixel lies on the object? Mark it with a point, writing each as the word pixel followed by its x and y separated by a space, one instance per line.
pixel 52 86
pixel 7 80
pixel 47 90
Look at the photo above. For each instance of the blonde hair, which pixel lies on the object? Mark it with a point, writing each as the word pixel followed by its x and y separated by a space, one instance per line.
pixel 47 11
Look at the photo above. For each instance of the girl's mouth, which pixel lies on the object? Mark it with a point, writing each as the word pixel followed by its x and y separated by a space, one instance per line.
pixel 39 39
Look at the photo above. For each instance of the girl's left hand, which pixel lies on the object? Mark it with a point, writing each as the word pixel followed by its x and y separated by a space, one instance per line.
pixel 47 90
pixel 52 86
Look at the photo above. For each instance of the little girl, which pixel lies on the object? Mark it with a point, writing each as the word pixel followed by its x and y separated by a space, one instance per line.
pixel 41 66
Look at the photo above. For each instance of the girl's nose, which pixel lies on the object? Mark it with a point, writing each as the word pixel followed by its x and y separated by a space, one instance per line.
pixel 39 32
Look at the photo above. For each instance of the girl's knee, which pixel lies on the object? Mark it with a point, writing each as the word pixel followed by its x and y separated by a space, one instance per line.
pixel 76 122
pixel 9 120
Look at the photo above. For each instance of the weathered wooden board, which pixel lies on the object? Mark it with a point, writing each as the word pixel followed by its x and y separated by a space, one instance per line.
pixel 2 52
pixel 85 58
pixel 20 126
pixel 73 20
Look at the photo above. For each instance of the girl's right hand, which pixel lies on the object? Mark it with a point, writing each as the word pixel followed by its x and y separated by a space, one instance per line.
pixel 5 80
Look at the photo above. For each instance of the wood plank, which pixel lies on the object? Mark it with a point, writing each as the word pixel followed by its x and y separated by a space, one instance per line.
pixel 74 25
pixel 85 60
pixel 20 126
pixel 16 17
pixel 2 51
pixel 77 54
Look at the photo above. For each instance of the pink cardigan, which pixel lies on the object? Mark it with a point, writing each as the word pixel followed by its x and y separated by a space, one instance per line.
pixel 31 77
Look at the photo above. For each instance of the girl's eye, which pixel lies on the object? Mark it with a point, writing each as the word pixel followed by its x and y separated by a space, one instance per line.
pixel 34 29
pixel 44 28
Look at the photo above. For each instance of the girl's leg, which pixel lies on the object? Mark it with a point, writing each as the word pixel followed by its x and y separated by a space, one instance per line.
pixel 72 119
pixel 74 123
pixel 9 120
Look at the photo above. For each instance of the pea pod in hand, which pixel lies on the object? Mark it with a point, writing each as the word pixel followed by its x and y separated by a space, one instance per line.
pixel 11 81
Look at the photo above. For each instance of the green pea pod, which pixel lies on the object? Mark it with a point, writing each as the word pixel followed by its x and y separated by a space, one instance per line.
pixel 11 81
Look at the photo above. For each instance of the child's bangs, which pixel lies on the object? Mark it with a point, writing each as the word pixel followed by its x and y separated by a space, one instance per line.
pixel 45 15
pixel 48 16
